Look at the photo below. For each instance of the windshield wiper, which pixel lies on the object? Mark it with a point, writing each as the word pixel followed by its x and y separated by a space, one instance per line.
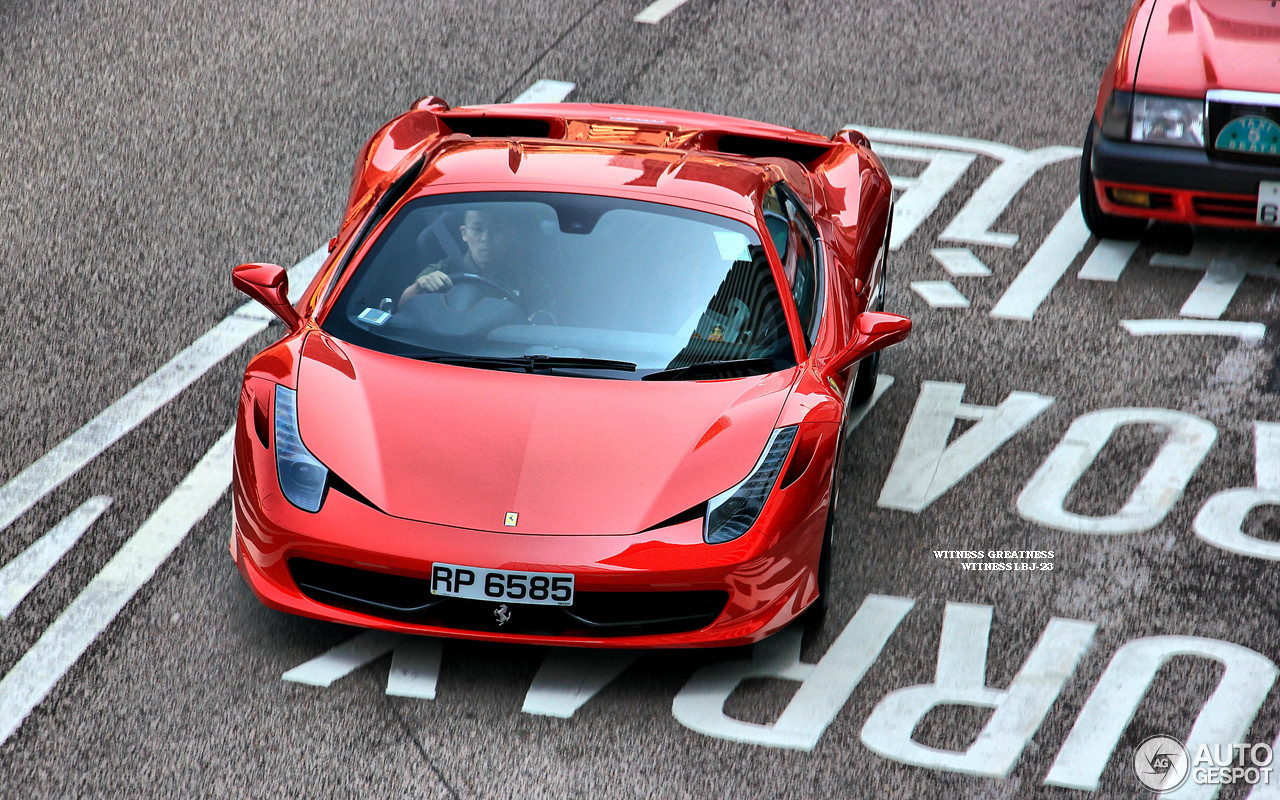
pixel 731 368
pixel 529 363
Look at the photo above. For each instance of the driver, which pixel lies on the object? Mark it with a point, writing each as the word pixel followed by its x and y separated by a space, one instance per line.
pixel 488 236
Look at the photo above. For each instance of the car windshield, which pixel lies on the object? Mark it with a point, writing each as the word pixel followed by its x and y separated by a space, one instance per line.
pixel 569 284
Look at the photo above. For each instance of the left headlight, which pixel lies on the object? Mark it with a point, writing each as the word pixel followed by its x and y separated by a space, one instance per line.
pixel 1167 120
pixel 302 476
pixel 732 512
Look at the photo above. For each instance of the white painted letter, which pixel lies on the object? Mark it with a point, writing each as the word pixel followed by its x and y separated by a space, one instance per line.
pixel 415 664
pixel 926 466
pixel 1189 440
pixel 1226 716
pixel 567 679
pixel 962 680
pixel 1221 520
pixel 824 687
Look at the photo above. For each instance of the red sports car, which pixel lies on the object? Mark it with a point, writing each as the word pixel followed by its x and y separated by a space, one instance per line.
pixel 1187 123
pixel 572 374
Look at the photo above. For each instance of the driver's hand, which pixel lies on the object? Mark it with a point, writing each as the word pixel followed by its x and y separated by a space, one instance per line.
pixel 433 282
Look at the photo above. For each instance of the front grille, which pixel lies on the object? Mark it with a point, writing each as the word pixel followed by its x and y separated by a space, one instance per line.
pixel 593 614
pixel 1225 208
pixel 1220 114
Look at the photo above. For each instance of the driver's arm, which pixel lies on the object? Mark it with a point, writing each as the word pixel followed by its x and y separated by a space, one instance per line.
pixel 434 281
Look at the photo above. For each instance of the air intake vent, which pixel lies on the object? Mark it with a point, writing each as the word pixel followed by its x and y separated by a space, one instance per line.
pixel 499 126
pixel 754 147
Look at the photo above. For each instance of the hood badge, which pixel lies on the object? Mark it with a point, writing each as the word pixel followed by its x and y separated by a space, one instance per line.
pixel 512 518
pixel 502 614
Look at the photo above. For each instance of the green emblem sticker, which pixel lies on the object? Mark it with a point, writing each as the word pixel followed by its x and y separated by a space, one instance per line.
pixel 1257 136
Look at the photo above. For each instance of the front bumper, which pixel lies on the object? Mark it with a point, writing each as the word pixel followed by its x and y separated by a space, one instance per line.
pixel 745 590
pixel 1186 186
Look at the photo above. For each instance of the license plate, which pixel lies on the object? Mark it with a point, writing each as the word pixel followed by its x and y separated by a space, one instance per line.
pixel 1269 204
pixel 502 586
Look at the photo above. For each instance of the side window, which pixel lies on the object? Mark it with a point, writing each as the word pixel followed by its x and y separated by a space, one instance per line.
pixel 796 240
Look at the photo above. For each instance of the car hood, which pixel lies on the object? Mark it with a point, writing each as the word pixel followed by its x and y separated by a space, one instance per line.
pixel 463 447
pixel 1192 46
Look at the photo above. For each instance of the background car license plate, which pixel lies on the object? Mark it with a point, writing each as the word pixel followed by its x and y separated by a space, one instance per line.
pixel 1269 203
pixel 502 586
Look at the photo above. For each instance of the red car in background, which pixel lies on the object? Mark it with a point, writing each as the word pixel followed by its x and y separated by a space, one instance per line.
pixel 630 437
pixel 1187 123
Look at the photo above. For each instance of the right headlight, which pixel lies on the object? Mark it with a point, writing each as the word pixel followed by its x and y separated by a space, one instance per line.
pixel 732 512
pixel 1168 120
pixel 302 476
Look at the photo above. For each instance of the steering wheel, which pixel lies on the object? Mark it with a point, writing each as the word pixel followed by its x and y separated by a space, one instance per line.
pixel 468 288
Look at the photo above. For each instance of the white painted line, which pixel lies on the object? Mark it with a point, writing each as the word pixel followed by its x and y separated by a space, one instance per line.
pixel 567 679
pixel 1248 331
pixel 1214 292
pixel 22 574
pixel 921 196
pixel 901 183
pixel 972 224
pixel 940 294
pixel 545 91
pixel 415 668
pixel 960 262
pixel 48 472
pixel 654 12
pixel 344 659
pixel 70 635
pixel 1045 268
pixel 1108 260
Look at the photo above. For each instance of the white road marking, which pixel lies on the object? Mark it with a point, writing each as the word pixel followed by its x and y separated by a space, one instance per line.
pixel 960 262
pixel 859 413
pixel 1188 440
pixel 567 679
pixel 654 12
pixel 1247 677
pixel 1214 292
pixel 824 687
pixel 70 635
pixel 1248 331
pixel 961 679
pixel 972 224
pixel 921 194
pixel 48 472
pixel 927 464
pixel 1045 268
pixel 344 659
pixel 22 574
pixel 545 91
pixel 415 668
pixel 1225 260
pixel 940 294
pixel 1108 260
pixel 1221 521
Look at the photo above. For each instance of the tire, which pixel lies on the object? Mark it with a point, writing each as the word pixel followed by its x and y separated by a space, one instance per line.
pixel 1101 224
pixel 814 615
pixel 864 381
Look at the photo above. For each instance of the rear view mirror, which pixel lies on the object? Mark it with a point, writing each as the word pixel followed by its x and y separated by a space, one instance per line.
pixel 269 285
pixel 874 331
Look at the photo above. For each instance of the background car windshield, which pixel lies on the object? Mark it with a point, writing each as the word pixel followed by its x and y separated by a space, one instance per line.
pixel 567 276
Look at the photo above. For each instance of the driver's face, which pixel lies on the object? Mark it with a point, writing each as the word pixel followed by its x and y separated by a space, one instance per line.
pixel 487 235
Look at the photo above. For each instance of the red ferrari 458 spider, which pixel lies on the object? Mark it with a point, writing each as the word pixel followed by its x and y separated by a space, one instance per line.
pixel 572 374
pixel 1187 123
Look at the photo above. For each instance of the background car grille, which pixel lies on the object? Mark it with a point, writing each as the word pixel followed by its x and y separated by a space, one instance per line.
pixel 1222 113
pixel 593 614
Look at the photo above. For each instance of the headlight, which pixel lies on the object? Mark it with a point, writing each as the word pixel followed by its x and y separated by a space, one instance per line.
pixel 302 476
pixel 1168 120
pixel 731 513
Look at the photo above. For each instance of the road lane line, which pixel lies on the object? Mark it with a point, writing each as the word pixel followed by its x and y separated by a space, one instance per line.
pixel 655 12
pixel 70 635
pixel 545 91
pixel 1046 267
pixel 1248 331
pixel 22 574
pixel 48 472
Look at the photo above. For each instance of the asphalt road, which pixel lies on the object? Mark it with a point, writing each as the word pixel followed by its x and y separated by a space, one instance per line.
pixel 148 149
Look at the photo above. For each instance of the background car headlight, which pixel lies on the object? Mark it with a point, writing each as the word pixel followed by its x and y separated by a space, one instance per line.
pixel 732 512
pixel 302 476
pixel 1168 120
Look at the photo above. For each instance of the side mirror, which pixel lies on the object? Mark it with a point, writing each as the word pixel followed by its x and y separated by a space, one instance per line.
pixel 269 285
pixel 875 330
